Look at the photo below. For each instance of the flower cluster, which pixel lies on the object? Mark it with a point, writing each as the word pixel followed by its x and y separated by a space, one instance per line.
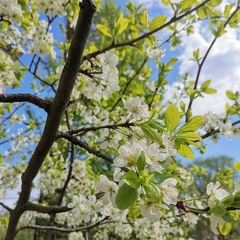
pixel 11 11
pixel 154 51
pixel 214 121
pixel 216 195
pixel 106 82
pixel 131 150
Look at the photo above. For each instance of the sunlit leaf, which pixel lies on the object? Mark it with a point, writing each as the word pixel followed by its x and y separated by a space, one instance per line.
pixel 172 118
pixel 157 22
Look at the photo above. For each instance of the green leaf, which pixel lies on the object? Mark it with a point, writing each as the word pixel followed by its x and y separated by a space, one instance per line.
pixel 210 90
pixel 196 54
pixel 192 125
pixel 184 150
pixel 121 25
pixel 190 135
pixel 145 177
pixel 219 210
pixel 229 110
pixel 201 12
pixel 166 2
pixel 236 204
pixel 152 134
pixel 205 84
pixel 153 192
pixel 126 196
pixel 170 63
pixel 141 162
pixel 225 228
pixel 231 95
pixel 172 118
pixel 228 200
pixel 23 3
pixel 227 217
pixel 143 17
pixel 236 165
pixel 214 3
pixel 157 22
pixel 105 30
pixel 156 124
pixel 182 106
pixel 131 179
pixel 160 177
pixel 186 4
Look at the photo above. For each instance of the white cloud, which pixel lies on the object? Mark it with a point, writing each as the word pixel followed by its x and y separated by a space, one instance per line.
pixel 221 66
pixel 149 3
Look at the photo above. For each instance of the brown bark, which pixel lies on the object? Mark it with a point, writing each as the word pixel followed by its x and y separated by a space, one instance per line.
pixel 66 84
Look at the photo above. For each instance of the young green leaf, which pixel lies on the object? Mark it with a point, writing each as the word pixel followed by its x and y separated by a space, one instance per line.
pixel 237 166
pixel 141 162
pixel 192 125
pixel 104 30
pixel 131 179
pixel 151 133
pixel 190 135
pixel 172 118
pixel 231 95
pixel 126 196
pixel 210 91
pixel 225 228
pixel 205 84
pixel 153 192
pixel 184 150
pixel 157 22
pixel 214 3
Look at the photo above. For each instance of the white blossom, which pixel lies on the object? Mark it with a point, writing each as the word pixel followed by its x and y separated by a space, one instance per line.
pixel 215 193
pixel 109 188
pixel 129 153
pixel 137 108
pixel 169 191
pixel 215 221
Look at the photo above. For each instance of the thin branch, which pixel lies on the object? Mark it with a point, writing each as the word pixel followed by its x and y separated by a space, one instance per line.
pixel 6 207
pixel 109 126
pixel 128 83
pixel 62 191
pixel 206 135
pixel 84 145
pixel 69 230
pixel 204 59
pixel 133 41
pixel 21 97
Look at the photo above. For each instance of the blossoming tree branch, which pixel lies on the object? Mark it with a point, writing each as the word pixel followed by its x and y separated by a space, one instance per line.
pixel 86 124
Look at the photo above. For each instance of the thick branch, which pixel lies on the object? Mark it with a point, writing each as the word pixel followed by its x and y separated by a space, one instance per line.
pixel 66 84
pixel 45 209
pixel 20 97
